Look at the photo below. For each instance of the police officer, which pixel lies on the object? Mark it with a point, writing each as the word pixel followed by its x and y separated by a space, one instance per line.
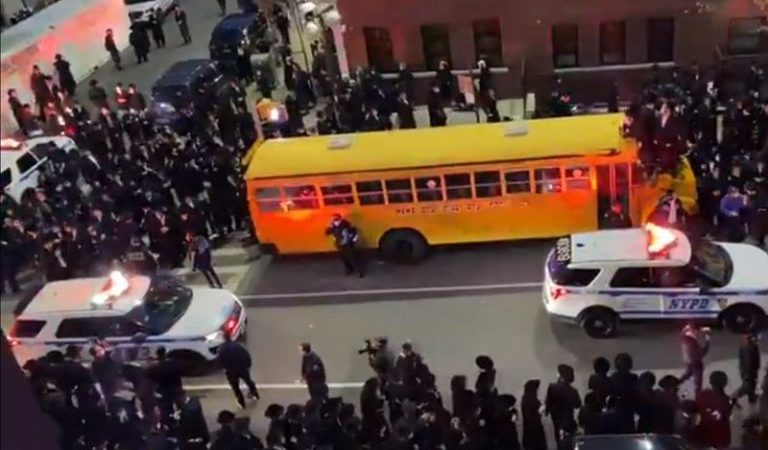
pixel 346 237
pixel 749 366
pixel 236 361
pixel 166 374
pixel 312 371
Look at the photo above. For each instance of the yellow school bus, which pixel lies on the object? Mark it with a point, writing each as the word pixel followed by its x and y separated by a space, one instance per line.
pixel 406 190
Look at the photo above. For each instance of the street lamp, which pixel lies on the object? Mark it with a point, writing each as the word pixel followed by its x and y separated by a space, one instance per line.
pixel 316 19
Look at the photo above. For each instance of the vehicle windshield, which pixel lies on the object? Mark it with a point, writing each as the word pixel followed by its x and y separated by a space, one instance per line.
pixel 230 35
pixel 164 303
pixel 712 261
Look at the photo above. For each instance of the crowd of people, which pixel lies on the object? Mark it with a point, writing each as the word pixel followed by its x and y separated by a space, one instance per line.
pixel 677 117
pixel 117 402
pixel 131 182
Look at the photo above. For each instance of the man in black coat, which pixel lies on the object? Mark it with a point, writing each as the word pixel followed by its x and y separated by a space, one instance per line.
pixel 156 27
pixel 312 370
pixel 111 47
pixel 40 89
pixel 236 361
pixel 749 366
pixel 405 81
pixel 437 117
pixel 98 95
pixel 624 387
pixel 140 43
pixel 66 79
pixel 17 108
pixel 166 374
pixel 561 402
pixel 405 115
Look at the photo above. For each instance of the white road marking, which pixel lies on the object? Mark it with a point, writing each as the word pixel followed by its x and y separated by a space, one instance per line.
pixel 269 386
pixel 414 290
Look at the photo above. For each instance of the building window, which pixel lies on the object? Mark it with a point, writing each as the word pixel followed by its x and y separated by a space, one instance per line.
pixel 565 45
pixel 437 45
pixel 748 36
pixel 613 49
pixel 660 35
pixel 488 41
pixel 378 45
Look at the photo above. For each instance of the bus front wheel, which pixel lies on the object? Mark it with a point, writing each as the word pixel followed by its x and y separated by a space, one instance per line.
pixel 403 246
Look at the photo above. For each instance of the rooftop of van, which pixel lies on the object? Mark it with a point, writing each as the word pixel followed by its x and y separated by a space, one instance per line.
pixel 627 246
pixel 440 146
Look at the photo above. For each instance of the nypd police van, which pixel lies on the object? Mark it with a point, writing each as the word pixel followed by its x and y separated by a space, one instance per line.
pixel 133 314
pixel 598 279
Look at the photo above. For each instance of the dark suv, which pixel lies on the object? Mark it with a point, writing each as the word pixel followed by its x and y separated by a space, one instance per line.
pixel 235 32
pixel 185 86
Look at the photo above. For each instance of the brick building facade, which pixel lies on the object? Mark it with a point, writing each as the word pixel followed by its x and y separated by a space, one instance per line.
pixel 582 40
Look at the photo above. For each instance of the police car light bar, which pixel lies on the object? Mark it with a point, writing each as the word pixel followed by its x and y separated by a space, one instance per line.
pixel 659 238
pixel 115 286
pixel 10 143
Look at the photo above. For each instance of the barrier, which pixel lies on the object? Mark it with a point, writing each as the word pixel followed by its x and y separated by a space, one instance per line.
pixel 74 28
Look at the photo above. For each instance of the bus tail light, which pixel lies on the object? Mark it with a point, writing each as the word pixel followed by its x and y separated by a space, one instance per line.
pixel 557 293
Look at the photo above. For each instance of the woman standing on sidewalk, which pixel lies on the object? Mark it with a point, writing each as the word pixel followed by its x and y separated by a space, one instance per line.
pixel 201 257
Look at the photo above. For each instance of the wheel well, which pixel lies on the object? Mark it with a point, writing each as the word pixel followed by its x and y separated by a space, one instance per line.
pixel 730 308
pixel 590 309
pixel 395 230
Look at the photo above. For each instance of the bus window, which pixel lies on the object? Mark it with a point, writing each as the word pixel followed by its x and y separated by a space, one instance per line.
pixel 301 197
pixel 370 192
pixel 337 194
pixel 548 180
pixel 458 186
pixel 487 184
pixel 429 189
pixel 577 178
pixel 518 182
pixel 399 191
pixel 268 199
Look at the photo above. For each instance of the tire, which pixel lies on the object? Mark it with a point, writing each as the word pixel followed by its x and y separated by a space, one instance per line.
pixel 599 323
pixel 742 318
pixel 403 246
pixel 195 364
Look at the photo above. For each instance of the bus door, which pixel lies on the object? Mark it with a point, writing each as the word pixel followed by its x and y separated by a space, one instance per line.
pixel 612 187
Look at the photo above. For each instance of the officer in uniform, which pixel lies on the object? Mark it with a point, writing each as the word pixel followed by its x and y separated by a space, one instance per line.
pixel 346 237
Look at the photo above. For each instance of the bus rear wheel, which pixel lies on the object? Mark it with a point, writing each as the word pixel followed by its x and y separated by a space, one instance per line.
pixel 600 323
pixel 403 246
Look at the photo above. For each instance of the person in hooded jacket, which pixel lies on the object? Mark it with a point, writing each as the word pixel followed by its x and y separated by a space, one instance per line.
pixel 533 429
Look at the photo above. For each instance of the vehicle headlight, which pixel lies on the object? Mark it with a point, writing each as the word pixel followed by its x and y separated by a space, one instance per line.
pixel 215 336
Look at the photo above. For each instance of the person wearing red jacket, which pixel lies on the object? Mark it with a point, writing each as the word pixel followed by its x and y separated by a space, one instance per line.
pixel 714 407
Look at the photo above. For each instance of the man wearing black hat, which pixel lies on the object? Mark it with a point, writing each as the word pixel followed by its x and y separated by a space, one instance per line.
pixel 137 258
pixel 561 403
pixel 667 404
pixel 236 361
pixel 166 374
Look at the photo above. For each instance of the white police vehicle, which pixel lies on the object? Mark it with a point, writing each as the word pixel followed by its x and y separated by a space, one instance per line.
pixel 600 278
pixel 142 10
pixel 21 161
pixel 133 314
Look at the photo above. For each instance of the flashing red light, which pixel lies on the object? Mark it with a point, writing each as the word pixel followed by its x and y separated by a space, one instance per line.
pixel 659 238
pixel 230 326
pixel 557 293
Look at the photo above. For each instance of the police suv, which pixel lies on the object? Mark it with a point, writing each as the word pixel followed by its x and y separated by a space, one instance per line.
pixel 598 279
pixel 133 314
